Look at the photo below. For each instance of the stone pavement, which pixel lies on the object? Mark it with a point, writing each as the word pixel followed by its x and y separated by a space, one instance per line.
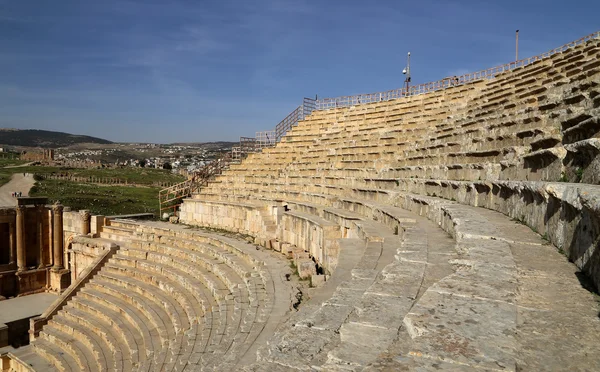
pixel 25 307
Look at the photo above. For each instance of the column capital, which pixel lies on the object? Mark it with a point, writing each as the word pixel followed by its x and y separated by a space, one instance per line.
pixel 85 215
pixel 57 208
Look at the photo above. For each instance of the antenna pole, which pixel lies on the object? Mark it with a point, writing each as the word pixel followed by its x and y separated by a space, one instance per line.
pixel 407 80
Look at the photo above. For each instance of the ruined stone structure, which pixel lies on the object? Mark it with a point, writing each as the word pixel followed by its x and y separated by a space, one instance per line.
pixel 31 248
pixel 43 155
pixel 434 228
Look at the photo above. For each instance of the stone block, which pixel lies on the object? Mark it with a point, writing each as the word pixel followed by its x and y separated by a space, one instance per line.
pixel 306 268
pixel 174 219
pixel 96 224
pixel 298 254
pixel 288 251
pixel 317 280
pixel 284 247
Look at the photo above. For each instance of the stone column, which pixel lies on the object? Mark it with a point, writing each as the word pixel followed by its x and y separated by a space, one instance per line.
pixel 85 219
pixel 57 249
pixel 40 224
pixel 21 255
pixel 12 243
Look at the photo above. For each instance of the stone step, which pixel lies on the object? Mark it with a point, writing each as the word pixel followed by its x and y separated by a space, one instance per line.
pixel 60 358
pixel 104 332
pixel 30 360
pixel 486 262
pixel 176 315
pixel 82 356
pixel 194 305
pixel 420 260
pixel 96 350
pixel 213 323
pixel 220 264
pixel 211 281
pixel 173 297
pixel 139 325
pixel 153 318
pixel 130 340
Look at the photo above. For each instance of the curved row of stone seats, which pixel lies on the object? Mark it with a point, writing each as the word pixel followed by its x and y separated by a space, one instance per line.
pixel 489 171
pixel 565 213
pixel 364 299
pixel 168 299
pixel 456 133
pixel 543 206
pixel 508 305
pixel 237 258
pixel 238 291
pixel 497 297
pixel 461 131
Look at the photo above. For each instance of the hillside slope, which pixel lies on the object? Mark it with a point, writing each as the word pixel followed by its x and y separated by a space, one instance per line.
pixel 44 138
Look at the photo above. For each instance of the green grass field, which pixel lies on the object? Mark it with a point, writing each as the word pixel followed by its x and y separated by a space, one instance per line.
pixel 4 162
pixel 103 200
pixel 140 176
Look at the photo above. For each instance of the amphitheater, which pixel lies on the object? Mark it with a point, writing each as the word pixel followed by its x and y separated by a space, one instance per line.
pixel 455 228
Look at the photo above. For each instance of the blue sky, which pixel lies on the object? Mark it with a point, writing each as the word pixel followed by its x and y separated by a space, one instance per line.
pixel 193 71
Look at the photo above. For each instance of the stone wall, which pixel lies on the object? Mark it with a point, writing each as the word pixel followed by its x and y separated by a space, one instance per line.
pixel 244 218
pixel 567 215
pixel 315 236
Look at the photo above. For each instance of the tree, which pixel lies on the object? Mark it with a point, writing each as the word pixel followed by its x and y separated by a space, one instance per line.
pixel 142 163
pixel 167 165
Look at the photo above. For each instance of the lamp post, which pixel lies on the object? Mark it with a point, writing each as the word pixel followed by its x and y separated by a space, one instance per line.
pixel 406 72
pixel 517 47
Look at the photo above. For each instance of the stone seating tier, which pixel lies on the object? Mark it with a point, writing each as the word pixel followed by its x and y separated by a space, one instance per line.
pixel 489 252
pixel 530 202
pixel 402 153
pixel 537 142
pixel 168 299
pixel 417 276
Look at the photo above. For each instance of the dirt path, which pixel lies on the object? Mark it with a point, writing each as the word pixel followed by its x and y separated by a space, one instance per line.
pixel 20 165
pixel 17 183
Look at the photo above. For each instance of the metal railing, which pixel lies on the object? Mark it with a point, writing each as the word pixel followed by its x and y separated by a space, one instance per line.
pixel 265 138
pixel 171 197
pixel 302 111
pixel 490 73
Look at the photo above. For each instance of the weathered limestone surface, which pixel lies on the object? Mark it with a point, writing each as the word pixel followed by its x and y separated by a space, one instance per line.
pixel 518 304
pixel 507 144
pixel 167 298
pixel 411 216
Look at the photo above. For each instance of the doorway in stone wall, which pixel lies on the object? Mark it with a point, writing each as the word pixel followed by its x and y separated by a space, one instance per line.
pixel 4 244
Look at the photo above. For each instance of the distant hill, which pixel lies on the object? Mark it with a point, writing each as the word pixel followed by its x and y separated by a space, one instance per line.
pixel 44 138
